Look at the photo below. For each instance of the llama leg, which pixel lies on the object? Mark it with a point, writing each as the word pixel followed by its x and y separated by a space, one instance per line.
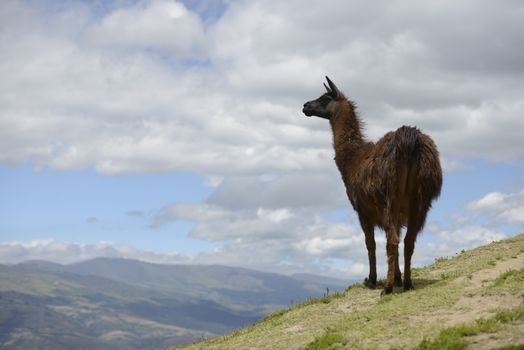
pixel 370 244
pixel 417 218
pixel 398 275
pixel 392 236
pixel 414 226
pixel 371 282
pixel 409 247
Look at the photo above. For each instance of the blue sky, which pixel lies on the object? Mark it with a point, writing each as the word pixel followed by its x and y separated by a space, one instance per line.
pixel 172 131
pixel 83 206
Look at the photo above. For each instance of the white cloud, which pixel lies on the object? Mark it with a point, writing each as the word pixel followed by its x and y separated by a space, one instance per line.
pixel 115 90
pixel 150 86
pixel 446 242
pixel 505 207
pixel 305 190
pixel 189 212
pixel 155 25
pixel 490 201
pixel 483 224
pixel 71 252
pixel 327 247
pixel 514 215
pixel 277 216
pixel 488 215
pixel 291 239
pixel 469 236
pixel 298 237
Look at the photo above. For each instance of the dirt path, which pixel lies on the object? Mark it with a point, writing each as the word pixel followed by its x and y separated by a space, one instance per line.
pixel 487 276
pixel 476 304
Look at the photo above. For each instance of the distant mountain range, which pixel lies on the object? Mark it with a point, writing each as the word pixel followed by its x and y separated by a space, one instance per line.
pixel 127 304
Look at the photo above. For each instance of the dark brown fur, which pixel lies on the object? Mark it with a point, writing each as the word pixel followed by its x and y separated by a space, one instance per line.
pixel 390 184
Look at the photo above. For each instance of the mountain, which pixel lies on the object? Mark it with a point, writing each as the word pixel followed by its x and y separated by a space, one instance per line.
pixel 126 304
pixel 471 301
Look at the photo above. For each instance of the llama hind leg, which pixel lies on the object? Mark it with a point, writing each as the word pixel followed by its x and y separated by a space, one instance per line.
pixel 414 226
pixel 392 236
pixel 409 247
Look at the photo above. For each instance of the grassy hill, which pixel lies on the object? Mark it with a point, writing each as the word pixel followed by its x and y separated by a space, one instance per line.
pixel 471 301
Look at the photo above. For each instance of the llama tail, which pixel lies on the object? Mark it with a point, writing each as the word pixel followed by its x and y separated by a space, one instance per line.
pixel 416 153
pixel 406 145
pixel 418 175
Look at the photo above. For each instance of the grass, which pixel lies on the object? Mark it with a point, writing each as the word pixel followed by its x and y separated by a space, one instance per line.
pixel 329 340
pixel 359 318
pixel 509 278
pixel 455 338
pixel 511 347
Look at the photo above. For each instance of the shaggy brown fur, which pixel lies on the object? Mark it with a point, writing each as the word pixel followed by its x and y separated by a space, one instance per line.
pixel 390 184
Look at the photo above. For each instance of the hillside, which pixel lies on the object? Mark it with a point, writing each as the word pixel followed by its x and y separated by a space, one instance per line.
pixel 126 304
pixel 471 301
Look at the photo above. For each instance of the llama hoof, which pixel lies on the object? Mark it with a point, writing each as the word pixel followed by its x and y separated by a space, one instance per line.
pixel 370 284
pixel 408 285
pixel 387 290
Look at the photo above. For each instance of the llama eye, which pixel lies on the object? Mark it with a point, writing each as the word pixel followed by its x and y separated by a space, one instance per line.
pixel 325 99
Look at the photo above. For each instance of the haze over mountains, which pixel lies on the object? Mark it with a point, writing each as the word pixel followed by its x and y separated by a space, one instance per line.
pixel 127 304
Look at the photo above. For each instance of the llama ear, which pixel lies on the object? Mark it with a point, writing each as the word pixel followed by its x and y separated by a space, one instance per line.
pixel 334 90
pixel 327 89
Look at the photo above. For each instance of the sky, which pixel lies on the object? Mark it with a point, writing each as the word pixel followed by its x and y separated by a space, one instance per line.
pixel 172 132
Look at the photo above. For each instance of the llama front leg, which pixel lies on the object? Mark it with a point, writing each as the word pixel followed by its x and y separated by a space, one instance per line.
pixel 371 246
pixel 398 274
pixel 371 282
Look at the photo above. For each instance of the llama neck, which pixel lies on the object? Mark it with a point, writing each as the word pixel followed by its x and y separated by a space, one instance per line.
pixel 347 135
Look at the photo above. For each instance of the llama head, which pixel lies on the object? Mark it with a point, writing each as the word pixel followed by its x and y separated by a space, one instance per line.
pixel 325 105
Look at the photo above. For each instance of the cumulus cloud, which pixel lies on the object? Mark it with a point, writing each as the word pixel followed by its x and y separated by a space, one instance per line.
pixel 154 25
pixel 290 239
pixel 450 240
pixel 299 238
pixel 304 190
pixel 71 252
pixel 490 201
pixel 152 86
pixel 508 207
pixel 481 225
pixel 188 212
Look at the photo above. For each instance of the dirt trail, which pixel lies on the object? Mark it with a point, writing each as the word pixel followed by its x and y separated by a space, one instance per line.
pixel 477 306
pixel 487 276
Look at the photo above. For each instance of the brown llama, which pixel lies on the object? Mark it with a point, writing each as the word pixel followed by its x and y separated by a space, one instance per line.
pixel 390 183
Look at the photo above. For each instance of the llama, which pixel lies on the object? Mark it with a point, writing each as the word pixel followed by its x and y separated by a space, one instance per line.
pixel 390 184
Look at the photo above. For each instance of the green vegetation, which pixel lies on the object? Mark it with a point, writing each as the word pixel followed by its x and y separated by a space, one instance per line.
pixel 328 340
pixel 455 338
pixel 458 302
pixel 511 347
pixel 509 278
